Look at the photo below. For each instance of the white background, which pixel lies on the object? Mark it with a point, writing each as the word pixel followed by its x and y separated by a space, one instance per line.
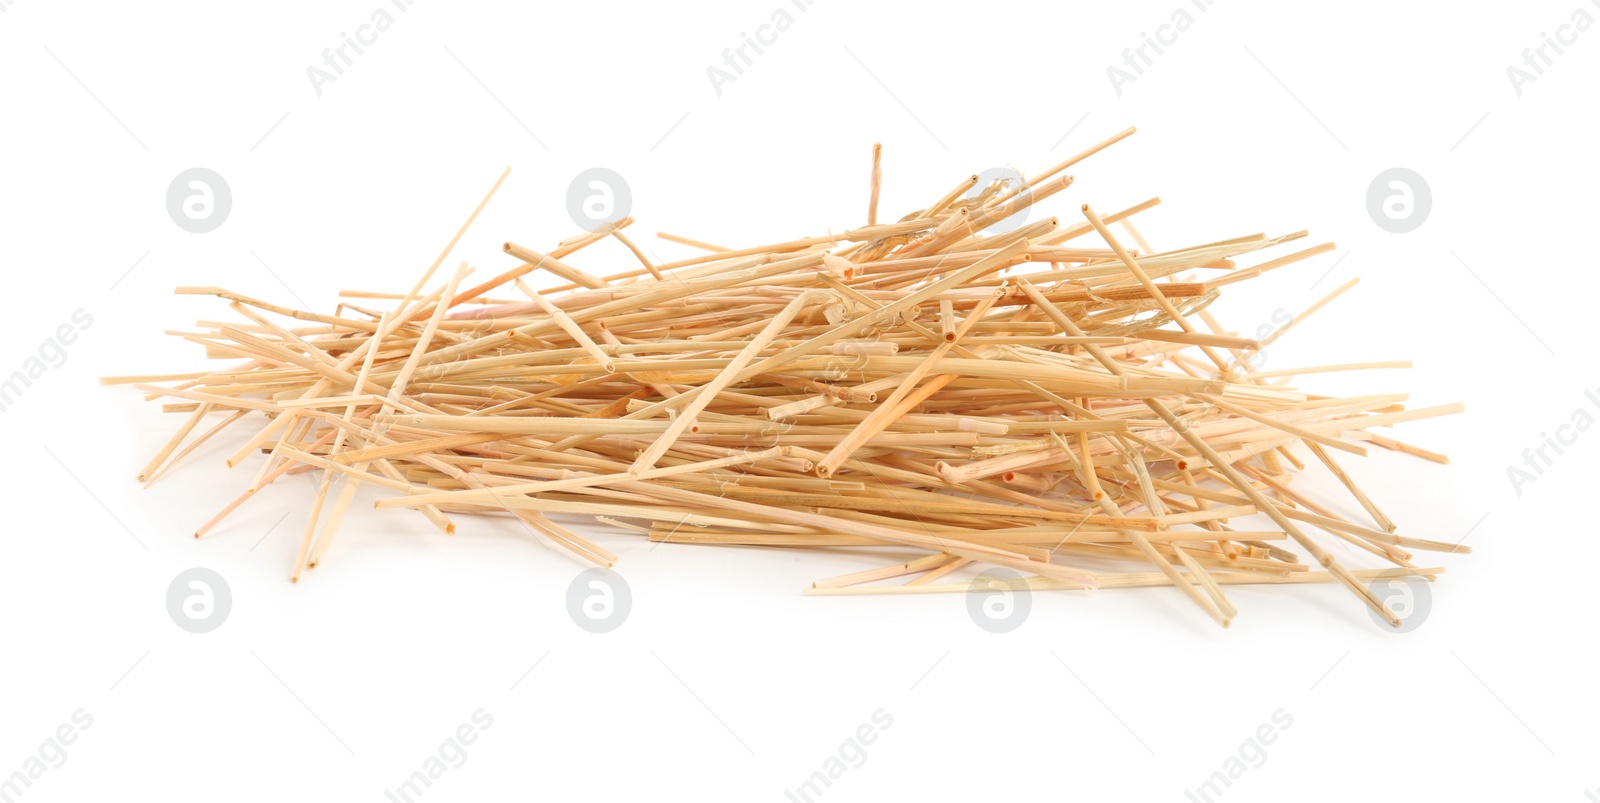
pixel 726 683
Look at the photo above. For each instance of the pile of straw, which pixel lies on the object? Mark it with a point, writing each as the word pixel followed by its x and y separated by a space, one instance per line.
pixel 1046 400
